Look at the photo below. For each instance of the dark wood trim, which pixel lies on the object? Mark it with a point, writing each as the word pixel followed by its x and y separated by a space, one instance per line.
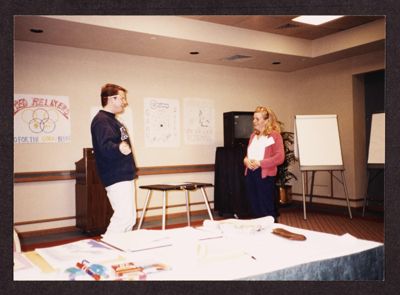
pixel 44 176
pixel 21 177
pixel 155 170
pixel 43 232
pixel 43 220
pixel 66 229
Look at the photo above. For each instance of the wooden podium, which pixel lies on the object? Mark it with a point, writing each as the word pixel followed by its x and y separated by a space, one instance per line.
pixel 93 209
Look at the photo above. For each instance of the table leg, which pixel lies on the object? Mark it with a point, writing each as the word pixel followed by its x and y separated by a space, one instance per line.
pixel 187 206
pixel 163 209
pixel 144 209
pixel 206 202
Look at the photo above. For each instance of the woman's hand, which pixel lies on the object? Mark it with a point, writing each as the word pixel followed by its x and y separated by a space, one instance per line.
pixel 255 164
pixel 252 164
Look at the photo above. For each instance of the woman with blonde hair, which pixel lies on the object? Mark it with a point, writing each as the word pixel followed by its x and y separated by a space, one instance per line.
pixel 265 153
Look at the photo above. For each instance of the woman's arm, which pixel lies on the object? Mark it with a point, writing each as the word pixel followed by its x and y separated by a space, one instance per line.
pixel 277 155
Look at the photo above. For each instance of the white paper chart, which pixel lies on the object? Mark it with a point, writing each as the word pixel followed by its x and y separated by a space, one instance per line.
pixel 199 121
pixel 161 122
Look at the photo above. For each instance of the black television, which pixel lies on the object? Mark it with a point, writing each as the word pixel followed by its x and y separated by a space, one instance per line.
pixel 238 127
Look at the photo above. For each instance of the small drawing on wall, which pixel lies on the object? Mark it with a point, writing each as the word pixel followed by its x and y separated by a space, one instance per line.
pixel 199 121
pixel 161 122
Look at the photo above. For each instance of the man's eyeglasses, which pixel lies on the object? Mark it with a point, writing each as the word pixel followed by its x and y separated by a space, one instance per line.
pixel 117 96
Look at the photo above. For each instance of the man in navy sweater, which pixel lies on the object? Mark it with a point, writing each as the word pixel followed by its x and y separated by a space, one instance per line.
pixel 114 159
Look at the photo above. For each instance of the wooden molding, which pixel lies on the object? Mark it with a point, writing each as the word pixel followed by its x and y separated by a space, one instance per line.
pixel 155 170
pixel 43 220
pixel 37 176
pixel 44 176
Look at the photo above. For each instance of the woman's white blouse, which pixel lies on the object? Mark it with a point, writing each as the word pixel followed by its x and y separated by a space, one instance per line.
pixel 257 147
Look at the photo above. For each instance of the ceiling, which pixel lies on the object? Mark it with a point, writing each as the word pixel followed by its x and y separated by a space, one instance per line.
pixel 283 24
pixel 125 34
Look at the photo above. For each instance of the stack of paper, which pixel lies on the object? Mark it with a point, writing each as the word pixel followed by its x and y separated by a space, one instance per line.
pixel 239 226
pixel 23 268
pixel 69 254
pixel 144 239
pixel 138 240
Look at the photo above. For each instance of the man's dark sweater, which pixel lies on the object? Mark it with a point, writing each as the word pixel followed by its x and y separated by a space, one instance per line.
pixel 107 134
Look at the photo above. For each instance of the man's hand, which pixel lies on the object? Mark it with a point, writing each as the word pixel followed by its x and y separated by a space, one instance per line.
pixel 125 148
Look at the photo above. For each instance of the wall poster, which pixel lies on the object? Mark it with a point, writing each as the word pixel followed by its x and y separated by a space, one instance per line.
pixel 199 122
pixel 161 122
pixel 41 119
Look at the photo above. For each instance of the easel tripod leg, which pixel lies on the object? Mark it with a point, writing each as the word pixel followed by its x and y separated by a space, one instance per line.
pixel 347 194
pixel 203 192
pixel 304 196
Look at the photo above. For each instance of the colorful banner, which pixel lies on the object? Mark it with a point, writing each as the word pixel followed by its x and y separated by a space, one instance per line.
pixel 41 119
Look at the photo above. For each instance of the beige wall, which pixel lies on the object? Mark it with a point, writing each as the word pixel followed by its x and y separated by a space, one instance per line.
pixel 79 74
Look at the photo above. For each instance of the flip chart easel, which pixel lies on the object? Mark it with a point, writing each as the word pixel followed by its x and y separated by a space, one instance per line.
pixel 318 149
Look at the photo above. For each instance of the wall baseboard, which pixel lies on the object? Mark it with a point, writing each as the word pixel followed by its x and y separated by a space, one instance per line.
pixel 139 210
pixel 154 218
pixel 328 198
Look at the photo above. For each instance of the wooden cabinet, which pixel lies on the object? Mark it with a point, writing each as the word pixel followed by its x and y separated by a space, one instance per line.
pixel 93 209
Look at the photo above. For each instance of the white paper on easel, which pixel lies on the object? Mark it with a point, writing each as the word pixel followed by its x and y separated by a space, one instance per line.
pixel 318 141
pixel 376 151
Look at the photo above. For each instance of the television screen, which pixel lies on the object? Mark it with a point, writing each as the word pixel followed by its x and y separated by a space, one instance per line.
pixel 238 127
pixel 243 125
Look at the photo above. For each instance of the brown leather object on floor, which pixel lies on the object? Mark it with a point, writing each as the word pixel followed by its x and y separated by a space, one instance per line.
pixel 288 235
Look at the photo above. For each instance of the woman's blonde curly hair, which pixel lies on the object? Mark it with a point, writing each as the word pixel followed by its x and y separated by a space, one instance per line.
pixel 272 124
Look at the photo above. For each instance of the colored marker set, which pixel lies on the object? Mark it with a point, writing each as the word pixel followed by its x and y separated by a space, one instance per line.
pixel 131 271
pixel 83 269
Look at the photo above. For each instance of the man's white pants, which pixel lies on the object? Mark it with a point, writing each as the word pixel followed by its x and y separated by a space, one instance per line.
pixel 122 199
